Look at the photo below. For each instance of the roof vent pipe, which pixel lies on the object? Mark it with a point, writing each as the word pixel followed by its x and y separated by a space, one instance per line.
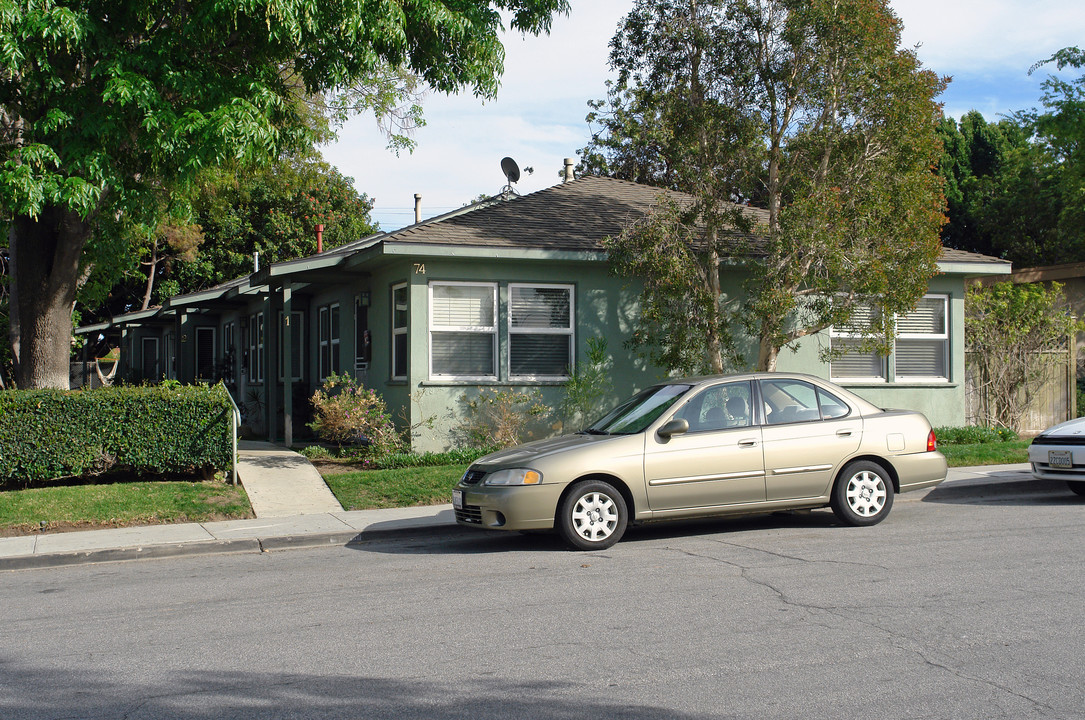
pixel 417 208
pixel 569 163
pixel 256 261
pixel 319 239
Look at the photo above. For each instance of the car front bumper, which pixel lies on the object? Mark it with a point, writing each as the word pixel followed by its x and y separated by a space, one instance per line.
pixel 1041 460
pixel 508 507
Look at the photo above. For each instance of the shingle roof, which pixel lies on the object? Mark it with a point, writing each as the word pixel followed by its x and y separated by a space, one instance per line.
pixel 575 215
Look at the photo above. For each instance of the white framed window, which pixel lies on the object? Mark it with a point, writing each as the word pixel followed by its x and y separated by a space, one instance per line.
pixel 297 343
pixel 856 363
pixel 920 349
pixel 328 323
pixel 463 330
pixel 540 331
pixel 400 317
pixel 922 346
pixel 256 348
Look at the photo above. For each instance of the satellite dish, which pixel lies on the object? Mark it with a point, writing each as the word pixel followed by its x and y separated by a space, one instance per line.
pixel 511 169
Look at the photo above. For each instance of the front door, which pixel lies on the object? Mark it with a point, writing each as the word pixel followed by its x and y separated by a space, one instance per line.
pixel 718 462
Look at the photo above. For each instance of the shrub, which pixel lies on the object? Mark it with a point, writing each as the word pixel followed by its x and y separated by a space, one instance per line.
pixel 52 434
pixel 348 414
pixel 973 435
pixel 500 418
pixel 588 383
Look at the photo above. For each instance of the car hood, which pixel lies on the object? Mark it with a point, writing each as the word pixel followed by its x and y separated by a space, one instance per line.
pixel 1070 428
pixel 522 455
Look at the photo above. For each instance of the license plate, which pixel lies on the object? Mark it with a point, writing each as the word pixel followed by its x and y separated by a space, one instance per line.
pixel 457 499
pixel 1060 458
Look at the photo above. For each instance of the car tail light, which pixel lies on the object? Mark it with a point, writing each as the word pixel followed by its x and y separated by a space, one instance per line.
pixel 932 442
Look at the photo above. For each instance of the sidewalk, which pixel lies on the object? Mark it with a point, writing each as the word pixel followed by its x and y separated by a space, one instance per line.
pixel 315 529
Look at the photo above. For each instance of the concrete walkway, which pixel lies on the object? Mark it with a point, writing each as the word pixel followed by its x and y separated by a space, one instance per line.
pixel 282 483
pixel 314 528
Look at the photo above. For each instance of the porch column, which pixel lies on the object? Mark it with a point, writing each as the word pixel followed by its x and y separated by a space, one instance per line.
pixel 288 369
pixel 272 305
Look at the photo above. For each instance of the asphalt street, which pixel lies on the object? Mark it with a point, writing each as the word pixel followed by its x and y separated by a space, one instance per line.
pixel 964 603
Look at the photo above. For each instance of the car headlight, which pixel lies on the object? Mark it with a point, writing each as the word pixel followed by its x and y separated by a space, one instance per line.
pixel 515 476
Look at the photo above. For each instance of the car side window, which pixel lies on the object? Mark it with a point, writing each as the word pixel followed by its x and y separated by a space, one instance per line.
pixel 718 408
pixel 832 407
pixel 789 401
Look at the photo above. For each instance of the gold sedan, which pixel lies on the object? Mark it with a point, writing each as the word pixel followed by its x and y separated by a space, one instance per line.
pixel 707 446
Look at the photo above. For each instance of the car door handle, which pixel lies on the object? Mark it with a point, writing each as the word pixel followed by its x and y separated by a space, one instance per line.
pixel 747 443
pixel 844 433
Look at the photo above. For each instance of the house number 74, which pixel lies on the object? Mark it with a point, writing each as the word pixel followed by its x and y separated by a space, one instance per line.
pixel 419 268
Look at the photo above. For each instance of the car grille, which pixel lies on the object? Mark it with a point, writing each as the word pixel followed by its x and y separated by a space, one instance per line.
pixel 470 514
pixel 1056 440
pixel 473 477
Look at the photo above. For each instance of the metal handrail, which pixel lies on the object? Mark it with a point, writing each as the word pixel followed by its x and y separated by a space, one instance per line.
pixel 234 425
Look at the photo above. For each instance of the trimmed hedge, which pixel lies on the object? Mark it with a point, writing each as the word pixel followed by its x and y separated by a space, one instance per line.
pixel 51 434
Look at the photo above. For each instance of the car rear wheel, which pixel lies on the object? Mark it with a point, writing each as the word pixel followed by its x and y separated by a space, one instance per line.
pixel 863 494
pixel 593 516
pixel 1078 486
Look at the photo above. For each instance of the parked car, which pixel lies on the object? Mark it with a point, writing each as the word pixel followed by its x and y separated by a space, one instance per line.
pixel 707 446
pixel 1058 453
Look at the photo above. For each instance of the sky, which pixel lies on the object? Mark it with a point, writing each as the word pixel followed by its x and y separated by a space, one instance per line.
pixel 538 118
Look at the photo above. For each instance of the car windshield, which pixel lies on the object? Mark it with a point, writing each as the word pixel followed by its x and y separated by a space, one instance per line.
pixel 640 411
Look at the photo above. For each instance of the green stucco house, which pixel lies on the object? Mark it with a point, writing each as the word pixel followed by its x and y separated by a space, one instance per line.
pixel 501 294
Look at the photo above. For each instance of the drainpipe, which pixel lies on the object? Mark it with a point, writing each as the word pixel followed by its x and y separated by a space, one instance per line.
pixel 319 239
pixel 569 163
pixel 417 208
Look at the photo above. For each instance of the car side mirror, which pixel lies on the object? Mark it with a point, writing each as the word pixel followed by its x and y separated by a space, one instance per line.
pixel 677 426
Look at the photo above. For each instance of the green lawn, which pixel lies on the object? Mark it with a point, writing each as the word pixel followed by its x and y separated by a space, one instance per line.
pixel 999 453
pixel 116 504
pixel 401 487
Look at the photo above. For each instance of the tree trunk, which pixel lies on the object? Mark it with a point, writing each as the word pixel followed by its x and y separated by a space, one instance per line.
pixel 151 269
pixel 47 251
pixel 13 303
pixel 766 356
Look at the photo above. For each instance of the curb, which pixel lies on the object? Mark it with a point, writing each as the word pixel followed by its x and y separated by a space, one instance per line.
pixel 149 552
pixel 216 547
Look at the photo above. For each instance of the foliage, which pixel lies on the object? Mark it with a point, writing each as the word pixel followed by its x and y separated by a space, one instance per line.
pixel 588 384
pixel 109 106
pixel 808 107
pixel 500 418
pixel 50 434
pixel 346 413
pixel 973 434
pixel 391 460
pixel 272 211
pixel 1014 332
pixel 1014 187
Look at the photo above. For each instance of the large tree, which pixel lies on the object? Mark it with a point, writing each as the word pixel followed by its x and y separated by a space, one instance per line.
pixel 1014 187
pixel 816 113
pixel 107 104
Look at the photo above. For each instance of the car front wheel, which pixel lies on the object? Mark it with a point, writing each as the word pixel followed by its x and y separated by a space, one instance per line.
pixel 593 516
pixel 863 494
pixel 1078 486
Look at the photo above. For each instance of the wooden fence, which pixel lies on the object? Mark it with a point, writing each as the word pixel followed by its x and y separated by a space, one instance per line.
pixel 1054 402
